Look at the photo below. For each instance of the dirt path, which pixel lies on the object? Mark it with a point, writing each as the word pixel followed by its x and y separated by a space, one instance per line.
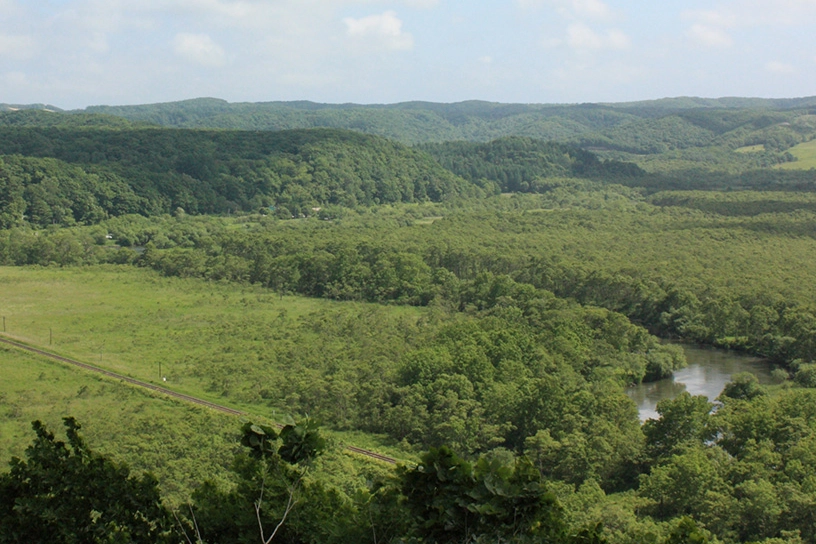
pixel 168 392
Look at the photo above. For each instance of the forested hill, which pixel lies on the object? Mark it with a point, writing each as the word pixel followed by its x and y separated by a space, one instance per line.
pixel 41 117
pixel 68 174
pixel 410 122
pixel 519 164
pixel 416 122
pixel 775 130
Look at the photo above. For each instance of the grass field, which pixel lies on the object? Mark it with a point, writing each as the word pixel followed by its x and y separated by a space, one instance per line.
pixel 751 149
pixel 181 444
pixel 805 154
pixel 132 321
pixel 127 320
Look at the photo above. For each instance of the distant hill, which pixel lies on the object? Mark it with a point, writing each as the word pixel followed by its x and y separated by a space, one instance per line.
pixel 18 107
pixel 518 164
pixel 295 156
pixel 36 117
pixel 664 134
pixel 479 121
pixel 67 174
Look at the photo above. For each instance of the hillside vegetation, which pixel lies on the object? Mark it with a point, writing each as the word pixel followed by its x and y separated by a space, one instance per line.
pixel 805 154
pixel 475 305
pixel 65 175
pixel 686 137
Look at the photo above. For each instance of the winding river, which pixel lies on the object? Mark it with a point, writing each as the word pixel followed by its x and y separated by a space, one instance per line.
pixel 708 370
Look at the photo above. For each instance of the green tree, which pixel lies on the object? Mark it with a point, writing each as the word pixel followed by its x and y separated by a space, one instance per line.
pixel 65 493
pixel 743 386
pixel 687 532
pixel 500 498
pixel 684 420
pixel 271 484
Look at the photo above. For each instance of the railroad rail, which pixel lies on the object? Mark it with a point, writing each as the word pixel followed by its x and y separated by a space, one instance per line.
pixel 169 392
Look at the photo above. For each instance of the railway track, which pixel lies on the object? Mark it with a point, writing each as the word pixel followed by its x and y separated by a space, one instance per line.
pixel 169 392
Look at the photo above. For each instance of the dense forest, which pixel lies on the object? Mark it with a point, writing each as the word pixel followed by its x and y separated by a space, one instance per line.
pixel 477 304
pixel 415 122
pixel 152 171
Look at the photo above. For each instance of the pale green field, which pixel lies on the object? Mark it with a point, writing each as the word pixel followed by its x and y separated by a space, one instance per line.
pixel 131 320
pixel 751 149
pixel 181 444
pixel 805 154
pixel 127 320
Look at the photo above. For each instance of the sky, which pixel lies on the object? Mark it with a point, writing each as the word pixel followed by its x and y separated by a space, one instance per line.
pixel 76 53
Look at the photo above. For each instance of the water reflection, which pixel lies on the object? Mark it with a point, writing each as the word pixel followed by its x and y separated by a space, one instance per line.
pixel 708 371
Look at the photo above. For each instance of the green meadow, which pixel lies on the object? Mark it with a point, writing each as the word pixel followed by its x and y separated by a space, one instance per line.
pixel 179 443
pixel 127 320
pixel 805 154
pixel 134 322
pixel 751 148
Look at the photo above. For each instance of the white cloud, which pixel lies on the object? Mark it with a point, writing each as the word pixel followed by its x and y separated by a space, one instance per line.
pixel 200 49
pixel 720 18
pixel 486 59
pixel 596 9
pixel 590 8
pixel 9 10
pixel 17 46
pixel 580 36
pixel 579 79
pixel 710 27
pixel 421 4
pixel 709 36
pixel 385 30
pixel 782 68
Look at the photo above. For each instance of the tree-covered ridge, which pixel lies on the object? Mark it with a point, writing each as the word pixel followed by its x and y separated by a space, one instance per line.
pixel 775 130
pixel 741 203
pixel 17 107
pixel 223 171
pixel 677 136
pixel 48 191
pixel 409 122
pixel 520 164
pixel 685 142
pixel 48 118
pixel 417 122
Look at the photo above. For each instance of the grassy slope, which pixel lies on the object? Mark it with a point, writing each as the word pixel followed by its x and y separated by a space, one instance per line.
pixel 805 154
pixel 181 444
pixel 128 319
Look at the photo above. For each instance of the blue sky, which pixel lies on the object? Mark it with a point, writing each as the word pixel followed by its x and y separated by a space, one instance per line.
pixel 75 53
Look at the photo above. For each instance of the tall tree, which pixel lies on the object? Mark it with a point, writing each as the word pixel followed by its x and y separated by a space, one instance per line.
pixel 65 493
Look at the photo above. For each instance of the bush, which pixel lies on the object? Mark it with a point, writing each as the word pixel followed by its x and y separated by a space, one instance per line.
pixel 806 375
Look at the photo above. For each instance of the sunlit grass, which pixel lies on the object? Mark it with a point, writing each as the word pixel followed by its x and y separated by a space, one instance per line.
pixel 127 320
pixel 751 149
pixel 182 444
pixel 132 320
pixel 805 154
pixel 211 340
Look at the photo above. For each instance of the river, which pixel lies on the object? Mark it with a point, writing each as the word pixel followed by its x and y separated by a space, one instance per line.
pixel 708 370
